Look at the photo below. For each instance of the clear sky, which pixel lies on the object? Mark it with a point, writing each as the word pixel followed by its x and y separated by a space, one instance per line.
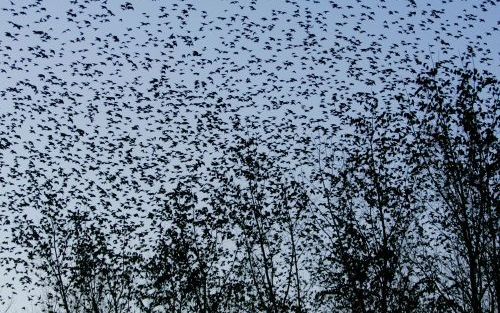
pixel 88 73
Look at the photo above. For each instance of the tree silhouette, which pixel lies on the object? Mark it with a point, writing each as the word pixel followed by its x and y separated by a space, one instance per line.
pixel 368 215
pixel 455 122
pixel 265 209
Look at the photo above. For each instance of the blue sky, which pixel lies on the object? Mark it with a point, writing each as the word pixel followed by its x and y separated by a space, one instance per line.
pixel 114 70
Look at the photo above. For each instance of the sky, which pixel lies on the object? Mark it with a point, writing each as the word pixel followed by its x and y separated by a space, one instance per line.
pixel 90 73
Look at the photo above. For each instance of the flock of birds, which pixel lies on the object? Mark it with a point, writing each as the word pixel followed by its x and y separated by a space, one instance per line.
pixel 103 104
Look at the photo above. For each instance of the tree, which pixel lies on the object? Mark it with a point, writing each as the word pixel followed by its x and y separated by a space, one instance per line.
pixel 454 116
pixel 367 214
pixel 81 265
pixel 186 272
pixel 266 209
